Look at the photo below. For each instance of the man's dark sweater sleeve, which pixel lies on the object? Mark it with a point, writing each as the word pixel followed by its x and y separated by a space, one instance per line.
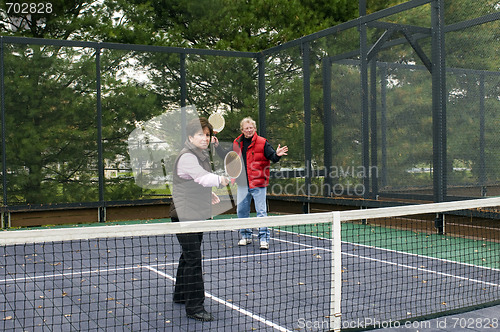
pixel 270 153
pixel 221 152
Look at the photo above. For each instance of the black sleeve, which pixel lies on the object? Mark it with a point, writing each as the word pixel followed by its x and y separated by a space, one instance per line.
pixel 270 153
pixel 221 152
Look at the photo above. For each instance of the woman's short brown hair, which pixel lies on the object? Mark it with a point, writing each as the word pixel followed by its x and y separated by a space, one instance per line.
pixel 195 125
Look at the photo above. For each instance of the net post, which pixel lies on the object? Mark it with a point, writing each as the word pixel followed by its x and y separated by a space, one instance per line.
pixel 101 214
pixel 336 275
pixel 439 223
pixel 6 224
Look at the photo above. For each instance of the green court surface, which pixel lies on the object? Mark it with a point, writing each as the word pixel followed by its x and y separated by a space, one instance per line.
pixel 121 222
pixel 469 251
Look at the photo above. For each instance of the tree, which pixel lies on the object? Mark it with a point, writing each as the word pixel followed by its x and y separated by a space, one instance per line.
pixel 51 101
pixel 51 93
pixel 239 25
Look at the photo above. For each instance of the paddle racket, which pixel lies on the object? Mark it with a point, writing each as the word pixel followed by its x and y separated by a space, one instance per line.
pixel 233 167
pixel 232 161
pixel 232 164
pixel 217 121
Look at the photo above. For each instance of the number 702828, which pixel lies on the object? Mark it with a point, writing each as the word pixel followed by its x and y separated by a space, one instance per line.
pixel 29 8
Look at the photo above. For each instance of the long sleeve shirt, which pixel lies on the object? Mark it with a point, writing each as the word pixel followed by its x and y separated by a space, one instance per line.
pixel 189 168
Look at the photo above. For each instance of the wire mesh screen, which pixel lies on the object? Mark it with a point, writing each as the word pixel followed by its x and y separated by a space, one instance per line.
pixel 396 89
pixel 284 90
pixel 397 268
pixel 46 143
pixel 347 170
pixel 473 111
pixel 406 131
pixel 137 277
pixel 335 270
pixel 472 119
pixel 85 100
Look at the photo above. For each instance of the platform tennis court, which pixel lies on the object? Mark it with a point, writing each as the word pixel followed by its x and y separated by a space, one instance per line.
pixel 126 283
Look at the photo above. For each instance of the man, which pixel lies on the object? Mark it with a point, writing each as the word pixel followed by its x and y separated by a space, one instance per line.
pixel 257 154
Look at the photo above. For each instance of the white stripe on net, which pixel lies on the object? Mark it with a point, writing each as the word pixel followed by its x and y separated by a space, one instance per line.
pixel 407 210
pixel 93 232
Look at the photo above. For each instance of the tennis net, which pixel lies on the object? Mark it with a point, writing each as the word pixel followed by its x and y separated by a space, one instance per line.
pixel 323 271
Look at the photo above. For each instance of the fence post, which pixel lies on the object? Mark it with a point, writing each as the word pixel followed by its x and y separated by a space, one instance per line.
pixel 306 72
pixel 4 126
pixel 439 101
pixel 100 161
pixel 328 124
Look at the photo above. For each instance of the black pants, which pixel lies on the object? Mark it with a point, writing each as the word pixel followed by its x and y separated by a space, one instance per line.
pixel 189 287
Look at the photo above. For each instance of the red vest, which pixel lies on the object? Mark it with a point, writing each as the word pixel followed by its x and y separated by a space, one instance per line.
pixel 257 166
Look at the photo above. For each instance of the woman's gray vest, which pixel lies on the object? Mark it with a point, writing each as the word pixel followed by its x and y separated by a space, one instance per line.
pixel 191 201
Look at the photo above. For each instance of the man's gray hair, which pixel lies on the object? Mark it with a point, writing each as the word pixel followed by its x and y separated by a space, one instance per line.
pixel 250 120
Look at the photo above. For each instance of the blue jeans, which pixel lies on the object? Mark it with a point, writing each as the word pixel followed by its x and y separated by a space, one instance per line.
pixel 244 199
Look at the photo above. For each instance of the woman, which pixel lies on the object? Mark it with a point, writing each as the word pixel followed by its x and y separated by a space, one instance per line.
pixel 193 196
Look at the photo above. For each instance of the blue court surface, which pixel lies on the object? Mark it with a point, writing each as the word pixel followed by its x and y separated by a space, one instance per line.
pixel 126 284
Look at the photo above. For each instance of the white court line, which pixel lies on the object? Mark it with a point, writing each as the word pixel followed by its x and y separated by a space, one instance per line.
pixel 309 248
pixel 403 265
pixel 398 252
pixel 240 256
pixel 70 274
pixel 208 295
pixel 424 270
pixel 227 304
pixel 423 256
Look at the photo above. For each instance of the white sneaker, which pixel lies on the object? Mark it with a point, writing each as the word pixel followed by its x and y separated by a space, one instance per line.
pixel 264 245
pixel 244 242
